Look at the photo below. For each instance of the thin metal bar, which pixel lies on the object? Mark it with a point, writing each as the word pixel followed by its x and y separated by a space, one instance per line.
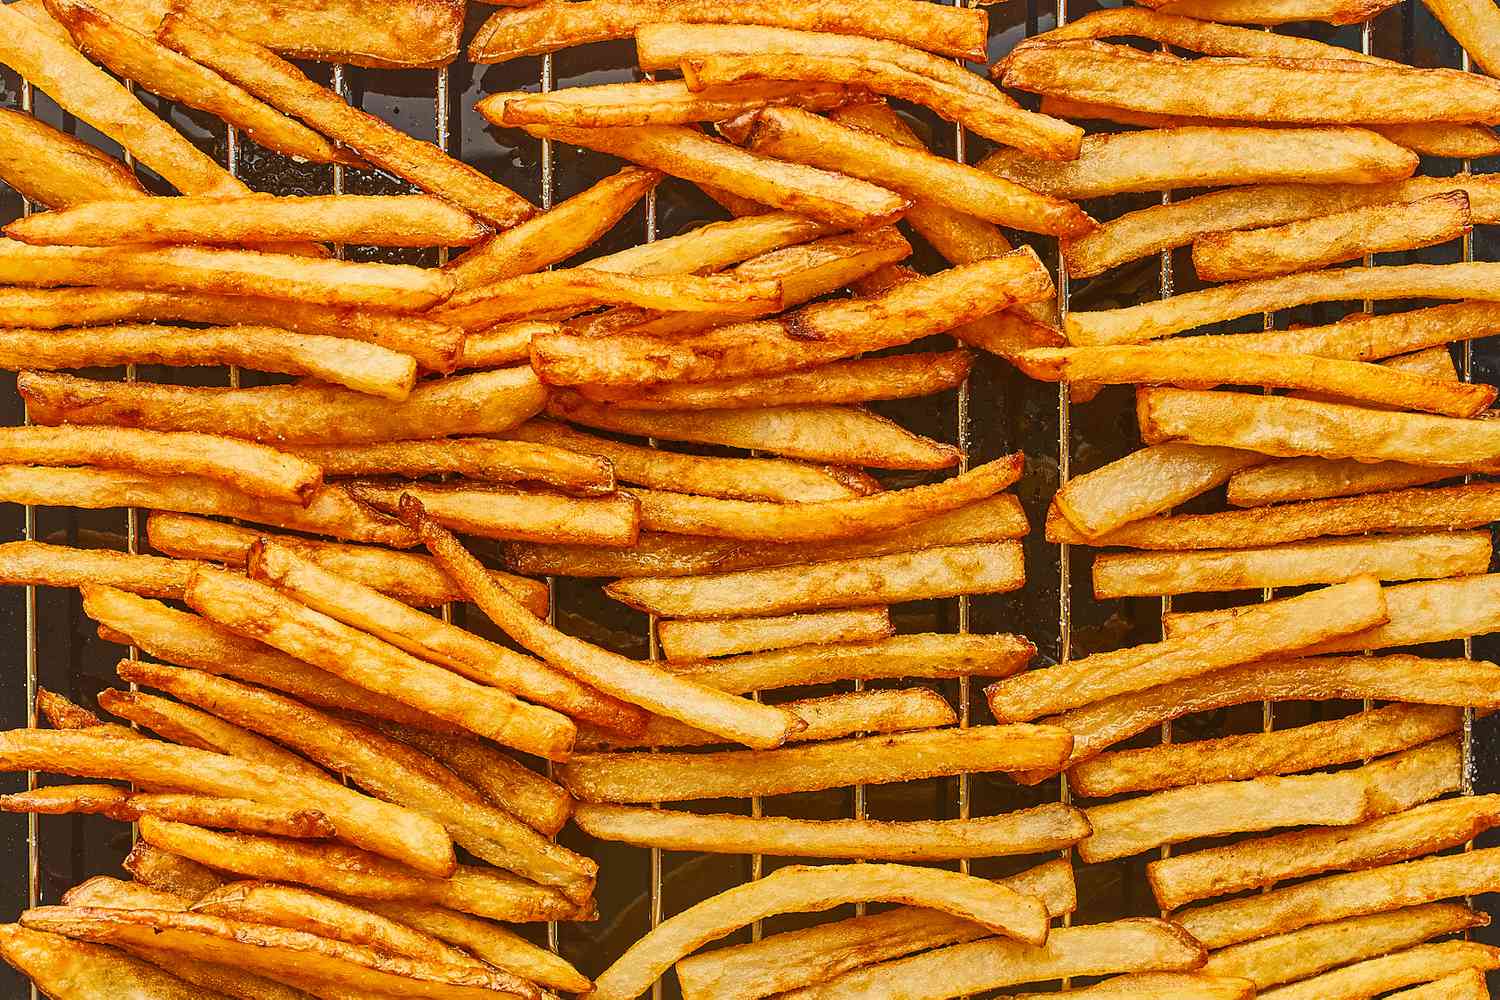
pixel 965 442
pixel 653 649
pixel 1466 363
pixel 1064 465
pixel 28 531
pixel 442 128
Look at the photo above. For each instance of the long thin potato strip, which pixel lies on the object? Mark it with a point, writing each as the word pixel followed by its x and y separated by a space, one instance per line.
pixel 54 169
pixel 492 511
pixel 1473 26
pixel 56 963
pixel 1312 478
pixel 1421 964
pixel 1470 984
pixel 689 640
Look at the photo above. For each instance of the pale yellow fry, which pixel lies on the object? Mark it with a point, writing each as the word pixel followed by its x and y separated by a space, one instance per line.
pixel 1421 964
pixel 57 170
pixel 60 965
pixel 689 640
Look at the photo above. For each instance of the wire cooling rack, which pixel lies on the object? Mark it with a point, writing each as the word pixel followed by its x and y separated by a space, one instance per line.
pixel 48 642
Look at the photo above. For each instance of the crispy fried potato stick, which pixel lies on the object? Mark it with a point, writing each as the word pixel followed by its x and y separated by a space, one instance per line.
pixel 348 871
pixel 800 889
pixel 688 640
pixel 901 376
pixel 1278 11
pixel 1386 557
pixel 658 102
pixel 1163 986
pixel 1421 964
pixel 1470 984
pixel 1473 26
pixel 153 867
pixel 500 345
pixel 283 86
pixel 1172 158
pixel 231 272
pixel 1313 243
pixel 1028 831
pixel 1253 864
pixel 555 235
pixel 1312 478
pixel 685 152
pixel 974 568
pixel 60 800
pixel 1352 380
pixel 534 729
pixel 503 512
pixel 535 30
pixel 1259 632
pixel 404 35
pixel 667 777
pixel 1145 482
pixel 385 829
pixel 474 458
pixel 64 967
pixel 715 246
pixel 201 810
pixel 482 403
pixel 54 169
pixel 836 434
pixel 1232 758
pixel 39 49
pixel 61 713
pixel 1299 954
pixel 1133 945
pixel 43 565
pixel 366 368
pixel 629 680
pixel 149 64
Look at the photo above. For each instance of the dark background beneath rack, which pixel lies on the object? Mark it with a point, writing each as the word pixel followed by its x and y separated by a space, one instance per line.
pixel 999 412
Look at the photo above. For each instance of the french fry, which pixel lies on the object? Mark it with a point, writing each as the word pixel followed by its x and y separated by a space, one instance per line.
pixel 533 31
pixel 61 713
pixel 42 565
pixel 1258 633
pixel 1162 227
pixel 201 810
pixel 1388 557
pixel 186 639
pixel 533 728
pixel 348 871
pixel 388 830
pixel 740 478
pixel 687 640
pixel 932 655
pixel 270 951
pixel 800 888
pixel 1472 25
pixel 1133 324
pixel 230 272
pixel 835 434
pixel 1253 864
pixel 1307 952
pixel 141 59
pixel 503 512
pixel 1163 986
pixel 1144 482
pixel 406 35
pixel 1309 91
pixel 328 509
pixel 475 458
pixel 1164 159
pixel 366 368
pixel 715 246
pixel 975 568
pixel 482 403
pixel 1028 831
pixel 54 169
pixel 1232 758
pixel 1404 510
pixel 685 152
pixel 657 102
pixel 1470 984
pixel 500 345
pixel 283 86
pixel 39 49
pixel 1279 12
pixel 1314 243
pixel 1311 478
pixel 628 680
pixel 57 964
pixel 158 869
pixel 410 578
pixel 666 777
pixel 790 959
pixel 60 800
pixel 1131 945
pixel 1421 964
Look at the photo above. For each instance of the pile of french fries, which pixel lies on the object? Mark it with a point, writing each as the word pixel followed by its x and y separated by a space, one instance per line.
pixel 340 793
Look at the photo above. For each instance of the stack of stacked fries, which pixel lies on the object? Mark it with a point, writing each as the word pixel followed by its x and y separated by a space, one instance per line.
pixel 340 793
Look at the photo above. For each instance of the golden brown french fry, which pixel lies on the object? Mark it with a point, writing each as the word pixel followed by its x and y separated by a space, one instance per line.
pixel 975 568
pixel 233 814
pixel 687 640
pixel 158 869
pixel 835 434
pixel 626 679
pixel 1470 984
pixel 502 512
pixel 283 86
pixel 475 458
pixel 60 800
pixel 1162 986
pixel 1311 478
pixel 1252 864
pixel 500 345
pixel 366 368
pixel 1231 758
pixel 1130 945
pixel 1313 243
pixel 715 246
pixel 1145 482
pixel 407 34
pixel 63 966
pixel 385 829
pixel 533 30
pixel 482 403
pixel 409 577
pixel 1257 633
pixel 43 565
pixel 794 958
pixel 669 777
pixel 54 169
pixel 657 102
pixel 1473 26
pixel 348 871
pixel 1285 957
pixel 1387 557
pixel 533 728
pixel 40 49
pixel 1028 831
pixel 1421 964
pixel 799 888
pixel 141 59
pixel 1278 11
pixel 685 152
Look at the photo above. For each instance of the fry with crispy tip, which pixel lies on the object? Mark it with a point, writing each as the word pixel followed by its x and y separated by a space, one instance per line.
pixel 474 458
pixel 1312 478
pixel 658 102
pixel 57 170
pixel 200 810
pixel 1145 482
pixel 1421 964
pixel 166 872
pixel 1470 984
pixel 503 512
pixel 42 565
pixel 1278 11
pixel 407 34
pixel 57 964
pixel 689 640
